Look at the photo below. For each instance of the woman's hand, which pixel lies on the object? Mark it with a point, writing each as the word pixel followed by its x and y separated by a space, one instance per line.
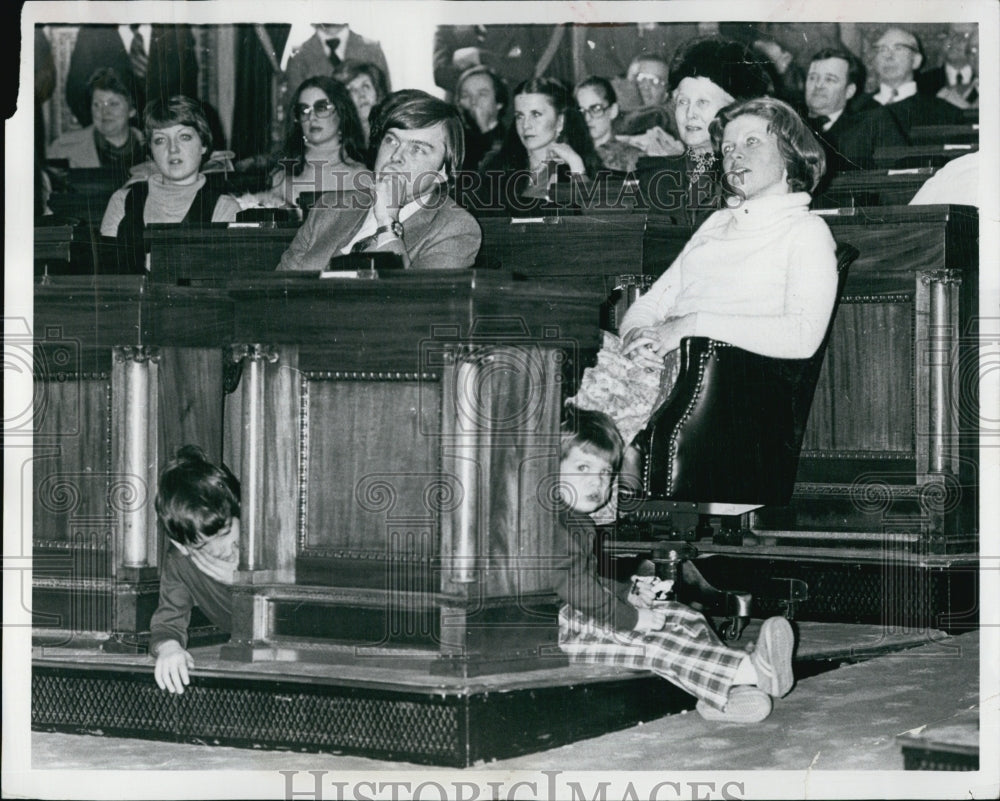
pixel 640 345
pixel 648 346
pixel 562 152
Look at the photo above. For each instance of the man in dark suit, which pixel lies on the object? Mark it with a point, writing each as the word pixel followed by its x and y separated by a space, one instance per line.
pixel 154 61
pixel 849 132
pixel 898 56
pixel 329 47
pixel 956 81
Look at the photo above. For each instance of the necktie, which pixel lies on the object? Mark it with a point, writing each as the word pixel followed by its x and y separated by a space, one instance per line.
pixel 137 54
pixel 333 44
pixel 818 123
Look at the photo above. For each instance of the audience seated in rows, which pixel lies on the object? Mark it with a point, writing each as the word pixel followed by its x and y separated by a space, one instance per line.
pixel 554 136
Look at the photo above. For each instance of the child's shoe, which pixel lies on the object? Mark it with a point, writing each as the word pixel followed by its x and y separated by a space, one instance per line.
pixel 745 704
pixel 772 657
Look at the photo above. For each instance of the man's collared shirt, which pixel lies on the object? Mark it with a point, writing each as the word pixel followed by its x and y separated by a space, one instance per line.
pixel 127 34
pixel 886 94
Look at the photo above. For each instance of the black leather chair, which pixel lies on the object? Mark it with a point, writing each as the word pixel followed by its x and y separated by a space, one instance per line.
pixel 725 441
pixel 731 430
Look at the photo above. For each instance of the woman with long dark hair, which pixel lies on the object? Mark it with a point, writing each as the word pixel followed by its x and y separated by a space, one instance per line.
pixel 324 145
pixel 549 142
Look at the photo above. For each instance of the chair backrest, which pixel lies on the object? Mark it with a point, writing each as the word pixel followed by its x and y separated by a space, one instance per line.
pixel 732 428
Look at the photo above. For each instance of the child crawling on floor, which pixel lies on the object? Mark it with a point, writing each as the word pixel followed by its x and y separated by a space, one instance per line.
pixel 606 622
pixel 199 506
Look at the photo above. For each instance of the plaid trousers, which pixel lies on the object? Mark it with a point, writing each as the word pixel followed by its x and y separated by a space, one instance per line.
pixel 685 652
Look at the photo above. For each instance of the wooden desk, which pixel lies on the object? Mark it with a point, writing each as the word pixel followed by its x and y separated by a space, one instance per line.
pixel 215 253
pixel 53 241
pixel 874 188
pixel 125 374
pixel 598 252
pixel 933 155
pixel 399 448
pixel 84 193
pixel 945 134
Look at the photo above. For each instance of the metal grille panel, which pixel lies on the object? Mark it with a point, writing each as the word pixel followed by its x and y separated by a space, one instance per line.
pixel 248 712
pixel 928 759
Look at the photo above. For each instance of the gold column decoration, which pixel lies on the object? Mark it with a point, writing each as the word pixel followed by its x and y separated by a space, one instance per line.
pixel 138 453
pixel 942 354
pixel 252 456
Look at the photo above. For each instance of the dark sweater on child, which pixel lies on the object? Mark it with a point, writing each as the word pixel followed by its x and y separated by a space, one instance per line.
pixel 578 582
pixel 182 587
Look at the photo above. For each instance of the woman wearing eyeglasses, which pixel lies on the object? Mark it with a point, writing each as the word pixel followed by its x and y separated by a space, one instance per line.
pixel 598 103
pixel 324 145
pixel 549 142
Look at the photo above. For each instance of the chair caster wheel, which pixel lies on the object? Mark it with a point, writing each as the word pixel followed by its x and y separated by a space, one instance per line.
pixel 733 628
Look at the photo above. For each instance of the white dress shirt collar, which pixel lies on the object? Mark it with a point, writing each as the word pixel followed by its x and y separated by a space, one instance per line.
pixel 126 33
pixel 341 36
pixel 952 73
pixel 834 116
pixel 903 91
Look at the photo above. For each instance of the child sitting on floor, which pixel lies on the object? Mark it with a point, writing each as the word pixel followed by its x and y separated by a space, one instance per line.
pixel 199 506
pixel 603 623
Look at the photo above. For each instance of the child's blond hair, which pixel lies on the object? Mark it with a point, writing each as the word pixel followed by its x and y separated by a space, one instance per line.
pixel 594 432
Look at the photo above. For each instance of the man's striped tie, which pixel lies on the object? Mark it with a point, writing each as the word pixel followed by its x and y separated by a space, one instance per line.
pixel 137 54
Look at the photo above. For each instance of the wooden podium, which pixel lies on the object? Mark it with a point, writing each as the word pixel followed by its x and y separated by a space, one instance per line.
pixel 399 457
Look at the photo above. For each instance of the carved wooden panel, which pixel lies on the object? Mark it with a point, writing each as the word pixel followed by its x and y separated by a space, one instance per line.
pixel 72 466
pixel 371 481
pixel 864 399
pixel 190 388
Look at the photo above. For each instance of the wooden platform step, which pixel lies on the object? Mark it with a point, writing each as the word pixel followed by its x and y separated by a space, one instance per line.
pixel 950 744
pixel 402 714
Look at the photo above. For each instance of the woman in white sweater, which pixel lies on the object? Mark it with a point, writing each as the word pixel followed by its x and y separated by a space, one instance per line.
pixel 760 274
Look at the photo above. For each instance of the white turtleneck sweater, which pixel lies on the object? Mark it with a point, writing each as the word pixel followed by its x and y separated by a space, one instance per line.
pixel 761 276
